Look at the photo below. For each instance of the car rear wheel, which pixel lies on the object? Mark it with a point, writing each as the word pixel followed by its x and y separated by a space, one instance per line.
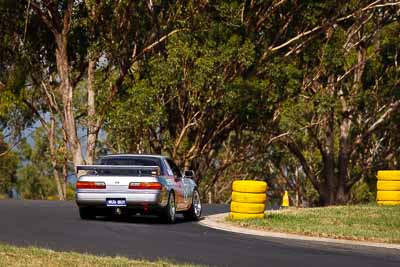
pixel 169 212
pixel 86 214
pixel 194 213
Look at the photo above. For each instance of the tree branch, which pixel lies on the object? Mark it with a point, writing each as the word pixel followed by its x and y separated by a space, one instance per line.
pixel 67 17
pixel 45 18
pixel 183 132
pixel 386 115
pixel 8 150
pixel 149 47
pixel 301 35
pixel 317 28
pixel 37 113
pixel 292 146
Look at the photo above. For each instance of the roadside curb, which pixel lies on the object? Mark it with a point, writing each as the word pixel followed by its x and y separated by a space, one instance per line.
pixel 217 221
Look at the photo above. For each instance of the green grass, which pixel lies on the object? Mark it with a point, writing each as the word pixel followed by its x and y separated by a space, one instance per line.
pixel 36 257
pixel 358 222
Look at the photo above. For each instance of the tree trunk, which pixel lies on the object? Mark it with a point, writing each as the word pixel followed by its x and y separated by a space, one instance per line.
pixel 53 156
pixel 93 129
pixel 344 146
pixel 344 153
pixel 66 90
pixel 343 160
pixel 328 193
pixel 65 164
pixel 298 187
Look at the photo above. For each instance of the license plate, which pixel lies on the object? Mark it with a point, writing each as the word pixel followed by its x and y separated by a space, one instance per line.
pixel 113 202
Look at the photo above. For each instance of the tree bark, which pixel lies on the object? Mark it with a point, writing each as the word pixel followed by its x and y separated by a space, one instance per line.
pixel 65 164
pixel 328 194
pixel 66 90
pixel 343 160
pixel 93 127
pixel 60 27
pixel 344 146
pixel 53 156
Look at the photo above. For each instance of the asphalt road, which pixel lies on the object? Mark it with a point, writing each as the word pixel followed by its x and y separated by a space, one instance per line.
pixel 56 225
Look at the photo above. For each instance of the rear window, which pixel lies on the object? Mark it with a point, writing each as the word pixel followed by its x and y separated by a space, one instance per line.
pixel 137 161
pixel 129 161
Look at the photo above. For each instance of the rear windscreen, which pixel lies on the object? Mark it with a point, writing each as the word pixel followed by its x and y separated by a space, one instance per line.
pixel 128 161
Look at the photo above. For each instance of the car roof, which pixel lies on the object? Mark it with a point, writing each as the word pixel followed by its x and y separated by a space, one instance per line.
pixel 133 155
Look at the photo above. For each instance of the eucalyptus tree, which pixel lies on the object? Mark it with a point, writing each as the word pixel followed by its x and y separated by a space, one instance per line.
pixel 96 39
pixel 194 94
pixel 70 60
pixel 14 116
pixel 218 85
pixel 337 122
pixel 36 174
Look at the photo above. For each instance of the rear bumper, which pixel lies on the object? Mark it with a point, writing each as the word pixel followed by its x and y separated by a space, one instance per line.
pixel 134 199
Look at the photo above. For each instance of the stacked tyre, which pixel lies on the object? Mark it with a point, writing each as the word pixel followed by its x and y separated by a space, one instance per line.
pixel 388 188
pixel 248 199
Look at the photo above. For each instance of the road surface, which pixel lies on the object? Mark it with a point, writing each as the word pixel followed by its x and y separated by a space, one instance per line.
pixel 56 225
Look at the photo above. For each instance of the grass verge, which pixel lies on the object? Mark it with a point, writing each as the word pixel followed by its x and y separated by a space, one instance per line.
pixel 358 222
pixel 37 257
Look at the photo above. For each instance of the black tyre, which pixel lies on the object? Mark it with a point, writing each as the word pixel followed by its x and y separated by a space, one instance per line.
pixel 86 214
pixel 194 213
pixel 169 212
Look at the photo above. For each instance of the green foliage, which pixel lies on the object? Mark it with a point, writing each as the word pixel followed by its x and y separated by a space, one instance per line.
pixel 362 193
pixel 32 184
pixel 8 168
pixel 35 177
pixel 137 110
pixel 70 192
pixel 341 74
pixel 222 86
pixel 311 194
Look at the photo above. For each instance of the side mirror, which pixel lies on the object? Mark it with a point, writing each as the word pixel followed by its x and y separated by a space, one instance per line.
pixel 189 174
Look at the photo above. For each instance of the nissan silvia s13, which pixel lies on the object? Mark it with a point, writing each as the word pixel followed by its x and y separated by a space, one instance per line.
pixel 132 183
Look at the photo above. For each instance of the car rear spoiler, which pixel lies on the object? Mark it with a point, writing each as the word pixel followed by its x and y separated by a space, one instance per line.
pixel 155 170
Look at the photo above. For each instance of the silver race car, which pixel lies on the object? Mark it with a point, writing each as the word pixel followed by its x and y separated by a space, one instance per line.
pixel 131 184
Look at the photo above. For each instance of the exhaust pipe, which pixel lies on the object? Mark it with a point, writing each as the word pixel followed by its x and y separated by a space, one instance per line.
pixel 118 211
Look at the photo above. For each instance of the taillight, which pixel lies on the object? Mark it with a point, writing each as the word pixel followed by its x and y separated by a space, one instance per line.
pixel 90 185
pixel 144 185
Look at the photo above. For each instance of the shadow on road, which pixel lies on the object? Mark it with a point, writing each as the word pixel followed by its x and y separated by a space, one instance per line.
pixel 139 219
pixel 208 209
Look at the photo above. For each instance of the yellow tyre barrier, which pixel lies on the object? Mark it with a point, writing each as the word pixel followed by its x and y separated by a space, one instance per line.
pixel 247 186
pixel 247 207
pixel 242 216
pixel 388 195
pixel 389 175
pixel 249 197
pixel 388 185
pixel 389 203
